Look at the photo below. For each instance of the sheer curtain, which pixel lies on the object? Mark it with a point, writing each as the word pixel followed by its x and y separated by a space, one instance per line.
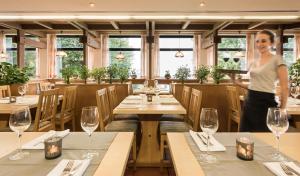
pixel 104 59
pixel 51 50
pixel 210 55
pixel 144 57
pixel 297 46
pixel 155 57
pixel 197 50
pixel 250 50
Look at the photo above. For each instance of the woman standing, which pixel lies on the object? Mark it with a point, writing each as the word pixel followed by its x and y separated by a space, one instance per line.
pixel 265 71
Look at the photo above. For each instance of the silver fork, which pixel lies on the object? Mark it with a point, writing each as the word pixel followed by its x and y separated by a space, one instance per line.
pixel 68 168
pixel 286 170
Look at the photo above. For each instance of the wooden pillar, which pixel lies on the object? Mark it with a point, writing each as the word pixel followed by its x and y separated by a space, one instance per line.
pixel 43 60
pixel 279 41
pixel 20 48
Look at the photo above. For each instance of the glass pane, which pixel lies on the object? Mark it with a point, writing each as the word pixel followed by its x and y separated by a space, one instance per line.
pixel 290 43
pixel 168 61
pixel 232 43
pixel 289 57
pixel 176 43
pixel 9 43
pixel 73 58
pixel 229 63
pixel 124 43
pixel 30 61
pixel 132 60
pixel 11 57
pixel 68 42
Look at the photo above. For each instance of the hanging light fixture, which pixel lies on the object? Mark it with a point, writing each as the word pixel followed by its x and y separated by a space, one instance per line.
pixel 120 56
pixel 179 53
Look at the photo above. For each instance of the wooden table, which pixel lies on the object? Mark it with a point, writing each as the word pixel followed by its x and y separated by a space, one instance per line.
pixel 30 101
pixel 149 115
pixel 114 162
pixel 185 162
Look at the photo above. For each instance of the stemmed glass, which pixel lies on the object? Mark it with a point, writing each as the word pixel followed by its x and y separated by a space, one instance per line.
pixel 209 124
pixel 295 91
pixel 19 121
pixel 89 123
pixel 22 90
pixel 278 123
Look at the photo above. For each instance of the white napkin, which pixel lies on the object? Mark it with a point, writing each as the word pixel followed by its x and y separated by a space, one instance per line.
pixel 38 143
pixel 215 147
pixel 4 101
pixel 130 102
pixel 58 170
pixel 277 170
pixel 134 97
pixel 128 106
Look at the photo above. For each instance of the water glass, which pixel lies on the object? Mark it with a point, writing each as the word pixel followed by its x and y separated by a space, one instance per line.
pixel 295 91
pixel 277 122
pixel 19 121
pixel 22 90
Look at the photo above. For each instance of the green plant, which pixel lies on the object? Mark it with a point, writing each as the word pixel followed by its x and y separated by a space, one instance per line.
pixel 123 73
pixel 98 74
pixel 84 73
pixel 202 73
pixel 182 73
pixel 294 73
pixel 12 74
pixel 112 72
pixel 67 73
pixel 167 74
pixel 216 74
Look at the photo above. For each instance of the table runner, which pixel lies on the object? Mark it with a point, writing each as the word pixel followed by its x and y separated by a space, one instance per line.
pixel 228 164
pixel 75 145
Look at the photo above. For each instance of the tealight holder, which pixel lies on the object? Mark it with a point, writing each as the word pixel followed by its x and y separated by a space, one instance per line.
pixel 149 97
pixel 12 99
pixel 245 148
pixel 53 147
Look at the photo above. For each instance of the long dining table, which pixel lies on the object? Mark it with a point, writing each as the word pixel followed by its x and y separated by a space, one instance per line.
pixel 113 162
pixel 149 114
pixel 186 163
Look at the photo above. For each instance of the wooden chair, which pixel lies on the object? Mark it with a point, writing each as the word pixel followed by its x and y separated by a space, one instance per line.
pixel 44 86
pixel 114 102
pixel 46 111
pixel 106 123
pixel 234 106
pixel 185 101
pixel 5 91
pixel 192 123
pixel 67 112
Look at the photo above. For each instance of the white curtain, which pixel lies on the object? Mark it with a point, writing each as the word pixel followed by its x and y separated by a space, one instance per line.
pixel 155 57
pixel 2 46
pixel 250 50
pixel 144 57
pixel 197 50
pixel 104 51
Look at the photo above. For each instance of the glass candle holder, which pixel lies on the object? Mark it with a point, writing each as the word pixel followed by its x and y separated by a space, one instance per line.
pixel 245 148
pixel 53 147
pixel 149 97
pixel 12 99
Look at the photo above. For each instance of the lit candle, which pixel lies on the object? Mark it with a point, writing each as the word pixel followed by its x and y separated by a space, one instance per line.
pixel 53 147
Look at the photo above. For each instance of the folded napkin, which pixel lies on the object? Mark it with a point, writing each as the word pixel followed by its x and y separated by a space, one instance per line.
pixel 166 96
pixel 214 146
pixel 130 102
pixel 277 170
pixel 134 97
pixel 128 106
pixel 77 169
pixel 38 143
pixel 4 101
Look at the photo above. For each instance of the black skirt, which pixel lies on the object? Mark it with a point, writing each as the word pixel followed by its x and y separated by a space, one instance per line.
pixel 255 111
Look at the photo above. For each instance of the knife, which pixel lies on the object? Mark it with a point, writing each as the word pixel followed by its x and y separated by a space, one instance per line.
pixel 202 140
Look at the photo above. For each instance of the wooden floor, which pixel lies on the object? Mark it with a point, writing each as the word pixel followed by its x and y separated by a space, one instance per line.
pixel 150 172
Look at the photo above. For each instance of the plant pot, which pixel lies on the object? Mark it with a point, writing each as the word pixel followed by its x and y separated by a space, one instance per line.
pixel 133 76
pixel 167 77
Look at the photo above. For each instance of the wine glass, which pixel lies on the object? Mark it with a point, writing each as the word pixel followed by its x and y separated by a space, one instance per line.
pixel 146 84
pixel 209 125
pixel 22 90
pixel 278 123
pixel 89 123
pixel 295 91
pixel 19 121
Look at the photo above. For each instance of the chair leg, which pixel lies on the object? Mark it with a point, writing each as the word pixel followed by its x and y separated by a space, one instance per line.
pixel 62 126
pixel 162 150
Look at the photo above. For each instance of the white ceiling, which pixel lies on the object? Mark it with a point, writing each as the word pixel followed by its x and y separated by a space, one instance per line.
pixel 133 7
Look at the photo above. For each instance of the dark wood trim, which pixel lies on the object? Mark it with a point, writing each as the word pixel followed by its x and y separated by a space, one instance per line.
pixel 20 48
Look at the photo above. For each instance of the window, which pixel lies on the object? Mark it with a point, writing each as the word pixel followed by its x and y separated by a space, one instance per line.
pixel 288 51
pixel 231 52
pixel 130 46
pixel 30 53
pixel 168 46
pixel 70 44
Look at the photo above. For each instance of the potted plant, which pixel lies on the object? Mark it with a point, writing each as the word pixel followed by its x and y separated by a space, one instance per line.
pixel 167 74
pixel 202 73
pixel 123 73
pixel 294 73
pixel 98 74
pixel 112 72
pixel 133 74
pixel 67 72
pixel 216 74
pixel 12 74
pixel 182 73
pixel 84 73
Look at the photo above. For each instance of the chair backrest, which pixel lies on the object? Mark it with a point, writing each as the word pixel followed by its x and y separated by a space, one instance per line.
pixel 113 97
pixel 103 108
pixel 193 115
pixel 5 91
pixel 234 104
pixel 33 89
pixel 68 104
pixel 46 110
pixel 186 95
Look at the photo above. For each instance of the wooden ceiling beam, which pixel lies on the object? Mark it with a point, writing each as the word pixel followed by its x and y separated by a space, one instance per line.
pixel 185 25
pixel 44 24
pixel 216 27
pixel 255 25
pixel 292 26
pixel 83 26
pixel 153 28
pixel 16 26
pixel 115 25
